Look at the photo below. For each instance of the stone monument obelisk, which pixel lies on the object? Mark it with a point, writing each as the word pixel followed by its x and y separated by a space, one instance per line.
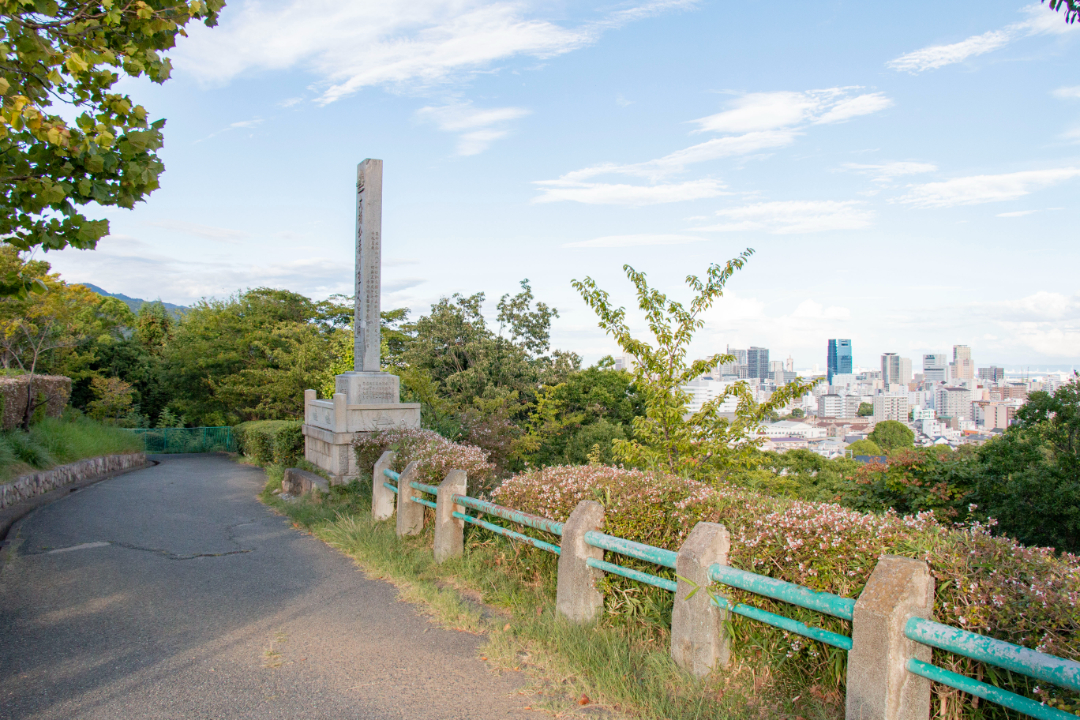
pixel 366 399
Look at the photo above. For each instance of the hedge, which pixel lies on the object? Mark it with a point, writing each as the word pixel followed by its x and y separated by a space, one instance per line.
pixel 271 442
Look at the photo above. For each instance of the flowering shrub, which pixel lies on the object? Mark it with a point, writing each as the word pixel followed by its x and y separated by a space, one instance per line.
pixel 984 583
pixel 435 455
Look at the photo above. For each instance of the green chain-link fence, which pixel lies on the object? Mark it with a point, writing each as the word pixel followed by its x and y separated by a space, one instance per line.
pixel 187 440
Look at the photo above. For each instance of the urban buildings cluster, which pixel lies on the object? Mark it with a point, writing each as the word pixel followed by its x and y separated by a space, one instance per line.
pixel 951 402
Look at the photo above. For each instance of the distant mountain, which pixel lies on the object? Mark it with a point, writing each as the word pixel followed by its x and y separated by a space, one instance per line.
pixel 136 303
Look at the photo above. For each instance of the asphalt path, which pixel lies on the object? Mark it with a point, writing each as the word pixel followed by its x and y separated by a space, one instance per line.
pixel 172 592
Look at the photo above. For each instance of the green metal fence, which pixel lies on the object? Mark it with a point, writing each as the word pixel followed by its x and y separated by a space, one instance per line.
pixel 187 440
pixel 1037 665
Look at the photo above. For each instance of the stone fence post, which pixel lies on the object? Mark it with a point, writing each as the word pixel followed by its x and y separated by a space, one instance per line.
pixel 382 498
pixel 698 640
pixel 410 515
pixel 879 687
pixel 449 531
pixel 340 416
pixel 576 597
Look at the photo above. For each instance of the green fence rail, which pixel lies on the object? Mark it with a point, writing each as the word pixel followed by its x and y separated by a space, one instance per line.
pixel 160 441
pixel 1033 664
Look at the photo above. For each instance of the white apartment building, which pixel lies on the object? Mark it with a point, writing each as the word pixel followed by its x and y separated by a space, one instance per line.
pixel 830 406
pixel 703 390
pixel 935 368
pixel 790 428
pixel 953 402
pixel 891 407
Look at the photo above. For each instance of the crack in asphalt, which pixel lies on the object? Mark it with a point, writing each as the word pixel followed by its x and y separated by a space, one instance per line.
pixel 230 535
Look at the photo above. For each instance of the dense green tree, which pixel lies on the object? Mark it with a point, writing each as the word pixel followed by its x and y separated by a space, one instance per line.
pixel 864 447
pixel 891 435
pixel 70 54
pixel 1028 479
pixel 865 410
pixel 249 357
pixel 580 417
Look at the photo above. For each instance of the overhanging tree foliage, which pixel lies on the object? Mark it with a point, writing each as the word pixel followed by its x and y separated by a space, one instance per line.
pixel 62 59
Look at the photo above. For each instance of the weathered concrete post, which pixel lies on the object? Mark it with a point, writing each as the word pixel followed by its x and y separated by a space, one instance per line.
pixel 309 397
pixel 410 515
pixel 576 597
pixel 698 641
pixel 382 498
pixel 449 531
pixel 879 687
pixel 340 421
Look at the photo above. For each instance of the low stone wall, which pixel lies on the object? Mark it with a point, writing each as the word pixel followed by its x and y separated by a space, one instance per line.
pixel 28 486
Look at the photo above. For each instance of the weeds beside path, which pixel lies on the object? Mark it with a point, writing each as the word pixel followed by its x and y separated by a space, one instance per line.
pixel 506 592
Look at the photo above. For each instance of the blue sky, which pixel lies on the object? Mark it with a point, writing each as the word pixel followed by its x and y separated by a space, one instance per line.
pixel 904 177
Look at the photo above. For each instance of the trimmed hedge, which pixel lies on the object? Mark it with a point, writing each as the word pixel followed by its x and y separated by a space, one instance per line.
pixel 271 442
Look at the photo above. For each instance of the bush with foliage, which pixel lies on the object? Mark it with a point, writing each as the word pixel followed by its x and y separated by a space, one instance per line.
pixel 891 435
pixel 435 455
pixel 984 583
pixel 271 442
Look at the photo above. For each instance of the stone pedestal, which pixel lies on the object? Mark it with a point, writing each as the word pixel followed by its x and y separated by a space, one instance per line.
pixel 368 388
pixel 332 426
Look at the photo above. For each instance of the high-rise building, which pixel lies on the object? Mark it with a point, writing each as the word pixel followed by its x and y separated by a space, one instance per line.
pixel 757 362
pixel 992 373
pixel 839 358
pixel 953 402
pixel 935 368
pixel 962 366
pixel 738 367
pixel 789 364
pixel 895 370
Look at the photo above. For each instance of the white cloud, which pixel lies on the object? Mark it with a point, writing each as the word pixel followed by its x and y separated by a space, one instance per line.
pixel 474 124
pixel 1046 322
pixel 1067 93
pixel 615 241
pixel 617 194
pixel 887 172
pixel 755 112
pixel 985 188
pixel 1022 213
pixel 350 46
pixel 935 56
pixel 759 121
pixel 794 217
pixel 1040 21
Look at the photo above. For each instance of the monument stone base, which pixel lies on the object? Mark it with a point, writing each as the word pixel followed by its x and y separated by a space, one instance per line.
pixel 364 403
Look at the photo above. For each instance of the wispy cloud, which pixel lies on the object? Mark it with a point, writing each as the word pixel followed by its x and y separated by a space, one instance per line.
pixel 978 189
pixel 619 194
pixel 477 127
pixel 350 46
pixel 885 173
pixel 1022 213
pixel 759 122
pixel 1068 93
pixel 1040 21
pixel 792 217
pixel 615 241
pixel 755 112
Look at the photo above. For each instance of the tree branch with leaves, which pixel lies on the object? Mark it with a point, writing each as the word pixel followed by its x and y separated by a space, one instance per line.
pixel 668 437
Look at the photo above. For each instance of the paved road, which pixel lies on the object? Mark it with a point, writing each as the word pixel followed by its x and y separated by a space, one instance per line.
pixel 171 592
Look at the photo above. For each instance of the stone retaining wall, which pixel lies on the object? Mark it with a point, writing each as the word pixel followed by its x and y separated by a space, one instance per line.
pixel 28 486
pixel 53 390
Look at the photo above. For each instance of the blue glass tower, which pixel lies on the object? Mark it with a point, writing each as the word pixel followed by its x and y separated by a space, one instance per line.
pixel 839 362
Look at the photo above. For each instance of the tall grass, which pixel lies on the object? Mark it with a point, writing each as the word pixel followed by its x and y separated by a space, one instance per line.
pixel 57 441
pixel 506 592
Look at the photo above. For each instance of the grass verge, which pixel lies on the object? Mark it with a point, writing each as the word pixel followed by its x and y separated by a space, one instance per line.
pixel 57 441
pixel 506 592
